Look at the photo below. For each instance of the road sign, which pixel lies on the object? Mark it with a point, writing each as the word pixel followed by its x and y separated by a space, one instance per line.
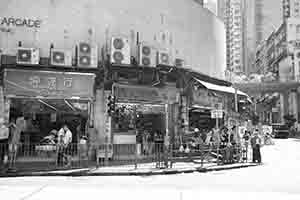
pixel 216 114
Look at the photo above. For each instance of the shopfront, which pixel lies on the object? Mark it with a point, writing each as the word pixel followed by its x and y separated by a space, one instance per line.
pixel 47 100
pixel 206 96
pixel 143 115
pixel 203 102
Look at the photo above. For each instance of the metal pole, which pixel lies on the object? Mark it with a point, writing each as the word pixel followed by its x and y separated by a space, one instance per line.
pixel 218 144
pixel 236 100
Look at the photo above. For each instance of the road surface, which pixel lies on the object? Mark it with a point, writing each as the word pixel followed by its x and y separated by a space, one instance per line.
pixel 277 178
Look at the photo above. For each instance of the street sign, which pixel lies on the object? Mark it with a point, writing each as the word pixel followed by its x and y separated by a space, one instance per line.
pixel 216 114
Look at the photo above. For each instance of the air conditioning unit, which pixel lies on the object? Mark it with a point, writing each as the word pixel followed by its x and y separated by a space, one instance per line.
pixel 87 55
pixel 61 57
pixel 179 63
pixel 28 56
pixel 120 51
pixel 147 55
pixel 163 58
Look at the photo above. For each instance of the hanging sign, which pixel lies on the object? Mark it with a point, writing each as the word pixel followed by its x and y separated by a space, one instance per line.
pixel 60 85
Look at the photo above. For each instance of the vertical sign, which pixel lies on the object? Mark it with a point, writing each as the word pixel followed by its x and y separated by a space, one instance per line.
pixel 108 133
pixel 1 103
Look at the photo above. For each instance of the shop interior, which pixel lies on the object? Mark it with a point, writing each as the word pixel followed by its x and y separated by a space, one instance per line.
pixel 45 115
pixel 143 117
pixel 146 123
pixel 201 119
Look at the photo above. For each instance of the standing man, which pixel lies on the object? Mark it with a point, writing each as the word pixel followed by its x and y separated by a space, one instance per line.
pixel 67 143
pixel 255 144
pixel 16 127
pixel 4 134
pixel 66 135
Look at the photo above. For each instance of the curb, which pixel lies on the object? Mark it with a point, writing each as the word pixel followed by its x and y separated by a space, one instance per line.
pixel 88 172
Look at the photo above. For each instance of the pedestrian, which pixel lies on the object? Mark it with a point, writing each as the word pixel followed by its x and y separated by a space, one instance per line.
pixel 16 128
pixel 60 148
pixel 67 140
pixel 256 144
pixel 83 149
pixel 4 134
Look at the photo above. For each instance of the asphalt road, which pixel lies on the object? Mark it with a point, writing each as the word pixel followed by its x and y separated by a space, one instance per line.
pixel 277 178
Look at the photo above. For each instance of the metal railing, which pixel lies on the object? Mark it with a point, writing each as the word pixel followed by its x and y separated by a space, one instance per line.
pixel 50 156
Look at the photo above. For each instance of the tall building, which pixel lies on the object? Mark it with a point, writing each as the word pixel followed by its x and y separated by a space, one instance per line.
pixel 279 55
pixel 262 19
pixel 290 8
pixel 248 23
pixel 235 25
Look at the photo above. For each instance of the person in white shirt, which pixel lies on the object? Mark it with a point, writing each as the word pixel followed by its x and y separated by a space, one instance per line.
pixel 66 136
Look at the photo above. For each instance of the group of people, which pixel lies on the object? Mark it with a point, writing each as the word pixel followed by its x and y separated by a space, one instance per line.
pixel 150 142
pixel 64 147
pixel 9 147
pixel 228 140
pixel 255 141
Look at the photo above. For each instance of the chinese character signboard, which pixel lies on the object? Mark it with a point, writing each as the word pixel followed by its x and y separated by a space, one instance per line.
pixel 216 114
pixel 28 83
pixel 202 97
pixel 125 93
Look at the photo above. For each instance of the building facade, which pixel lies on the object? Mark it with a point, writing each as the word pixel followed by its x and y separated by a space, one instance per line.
pixel 77 63
pixel 234 22
pixel 279 55
pixel 161 28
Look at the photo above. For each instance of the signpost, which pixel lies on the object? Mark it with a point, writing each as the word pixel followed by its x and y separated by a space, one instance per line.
pixel 216 114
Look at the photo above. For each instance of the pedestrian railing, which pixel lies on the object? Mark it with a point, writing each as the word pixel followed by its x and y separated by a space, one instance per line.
pixel 52 156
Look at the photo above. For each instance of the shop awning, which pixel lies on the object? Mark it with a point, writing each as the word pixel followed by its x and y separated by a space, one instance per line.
pixel 220 88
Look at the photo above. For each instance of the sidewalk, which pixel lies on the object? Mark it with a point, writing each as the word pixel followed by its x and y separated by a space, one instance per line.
pixel 129 170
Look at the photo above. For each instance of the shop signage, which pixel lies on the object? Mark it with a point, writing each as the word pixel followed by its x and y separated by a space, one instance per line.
pixel 31 83
pixel 128 93
pixel 202 98
pixel 216 114
pixel 20 22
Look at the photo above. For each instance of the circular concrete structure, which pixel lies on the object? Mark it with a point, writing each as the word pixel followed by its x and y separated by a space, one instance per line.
pixel 188 30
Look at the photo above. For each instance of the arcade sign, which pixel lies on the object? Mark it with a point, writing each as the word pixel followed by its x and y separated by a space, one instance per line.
pixel 20 22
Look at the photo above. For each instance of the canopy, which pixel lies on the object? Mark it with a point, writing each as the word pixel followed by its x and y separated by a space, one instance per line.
pixel 220 88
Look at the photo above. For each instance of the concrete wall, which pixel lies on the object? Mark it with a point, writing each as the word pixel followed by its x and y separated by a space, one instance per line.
pixel 195 33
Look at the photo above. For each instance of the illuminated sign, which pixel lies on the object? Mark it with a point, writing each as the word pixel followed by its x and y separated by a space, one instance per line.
pixel 20 22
